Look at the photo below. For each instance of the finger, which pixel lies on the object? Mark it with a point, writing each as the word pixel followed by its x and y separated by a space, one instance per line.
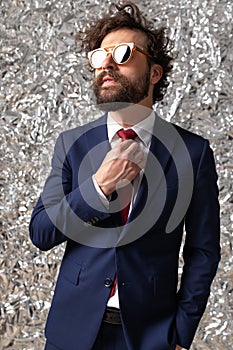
pixel 131 150
pixel 124 150
pixel 134 154
pixel 125 144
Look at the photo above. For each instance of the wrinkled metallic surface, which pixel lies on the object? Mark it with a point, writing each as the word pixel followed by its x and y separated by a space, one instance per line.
pixel 44 89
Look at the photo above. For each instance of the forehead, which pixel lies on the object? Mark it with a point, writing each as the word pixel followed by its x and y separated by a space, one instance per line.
pixel 124 35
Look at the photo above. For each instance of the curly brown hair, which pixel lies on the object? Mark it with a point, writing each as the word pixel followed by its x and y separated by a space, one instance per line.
pixel 128 15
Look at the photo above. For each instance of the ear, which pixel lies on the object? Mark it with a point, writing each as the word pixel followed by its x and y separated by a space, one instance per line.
pixel 156 73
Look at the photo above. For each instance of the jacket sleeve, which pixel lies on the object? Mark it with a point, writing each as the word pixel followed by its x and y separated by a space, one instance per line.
pixel 201 252
pixel 63 211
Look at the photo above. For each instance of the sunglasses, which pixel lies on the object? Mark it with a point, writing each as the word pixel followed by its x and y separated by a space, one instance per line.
pixel 121 54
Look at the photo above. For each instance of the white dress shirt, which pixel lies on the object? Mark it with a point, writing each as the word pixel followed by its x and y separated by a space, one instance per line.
pixel 144 131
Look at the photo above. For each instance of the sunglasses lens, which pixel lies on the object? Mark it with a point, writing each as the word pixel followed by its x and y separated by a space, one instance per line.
pixel 97 58
pixel 122 53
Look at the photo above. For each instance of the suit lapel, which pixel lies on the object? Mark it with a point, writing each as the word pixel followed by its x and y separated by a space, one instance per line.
pixel 161 148
pixel 152 192
pixel 97 144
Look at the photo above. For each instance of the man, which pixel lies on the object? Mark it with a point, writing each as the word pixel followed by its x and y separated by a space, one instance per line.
pixel 120 192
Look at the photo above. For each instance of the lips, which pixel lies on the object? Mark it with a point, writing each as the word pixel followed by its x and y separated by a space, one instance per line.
pixel 107 81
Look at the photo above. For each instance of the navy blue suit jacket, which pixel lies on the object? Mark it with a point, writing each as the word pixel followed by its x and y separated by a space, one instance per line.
pixel 178 193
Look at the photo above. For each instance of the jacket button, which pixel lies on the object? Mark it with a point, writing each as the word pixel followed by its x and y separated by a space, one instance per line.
pixel 87 223
pixel 108 282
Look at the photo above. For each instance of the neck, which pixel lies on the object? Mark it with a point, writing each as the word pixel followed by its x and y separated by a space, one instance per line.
pixel 131 115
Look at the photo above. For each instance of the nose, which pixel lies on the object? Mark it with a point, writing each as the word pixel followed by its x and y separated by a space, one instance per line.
pixel 108 62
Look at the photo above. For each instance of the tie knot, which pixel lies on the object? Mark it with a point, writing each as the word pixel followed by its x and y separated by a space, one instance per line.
pixel 128 134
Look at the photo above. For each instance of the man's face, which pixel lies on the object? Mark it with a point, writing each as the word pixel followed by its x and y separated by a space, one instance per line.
pixel 123 83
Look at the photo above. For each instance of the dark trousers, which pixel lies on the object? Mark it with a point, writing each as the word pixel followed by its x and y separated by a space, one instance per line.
pixel 110 337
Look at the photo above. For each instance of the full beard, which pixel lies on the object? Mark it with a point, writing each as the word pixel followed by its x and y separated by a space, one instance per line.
pixel 113 98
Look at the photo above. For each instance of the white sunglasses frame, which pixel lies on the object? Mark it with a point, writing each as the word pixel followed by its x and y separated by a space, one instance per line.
pixel 110 50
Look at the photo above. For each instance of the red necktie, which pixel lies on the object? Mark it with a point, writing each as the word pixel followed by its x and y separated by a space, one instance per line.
pixel 124 193
pixel 128 134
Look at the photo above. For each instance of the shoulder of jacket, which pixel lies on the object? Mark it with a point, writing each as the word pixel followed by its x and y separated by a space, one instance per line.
pixel 81 129
pixel 171 130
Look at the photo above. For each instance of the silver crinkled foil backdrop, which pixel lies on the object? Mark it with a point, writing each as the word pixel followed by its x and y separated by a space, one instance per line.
pixel 44 89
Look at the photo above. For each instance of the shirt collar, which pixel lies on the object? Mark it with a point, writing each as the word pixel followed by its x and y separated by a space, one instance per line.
pixel 144 129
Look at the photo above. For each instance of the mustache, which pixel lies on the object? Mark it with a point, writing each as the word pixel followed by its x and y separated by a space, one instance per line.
pixel 116 76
